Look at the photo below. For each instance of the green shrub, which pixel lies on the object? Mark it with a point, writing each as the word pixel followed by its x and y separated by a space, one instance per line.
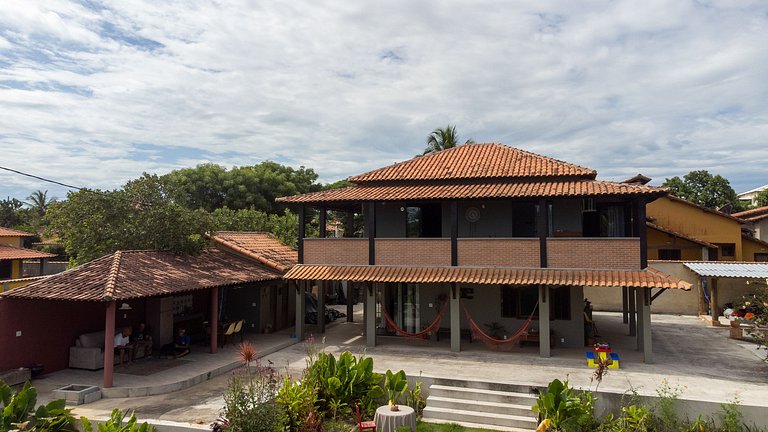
pixel 416 400
pixel 19 413
pixel 395 384
pixel 297 400
pixel 565 410
pixel 344 382
pixel 250 401
pixel 115 424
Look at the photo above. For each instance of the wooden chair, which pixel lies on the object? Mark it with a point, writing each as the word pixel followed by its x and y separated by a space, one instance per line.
pixel 230 331
pixel 364 426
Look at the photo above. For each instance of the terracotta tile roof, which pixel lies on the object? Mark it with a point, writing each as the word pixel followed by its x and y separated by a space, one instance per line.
pixel 474 161
pixel 680 235
pixel 134 274
pixel 12 252
pixel 259 246
pixel 639 178
pixel 706 209
pixel 753 214
pixel 7 232
pixel 650 278
pixel 527 189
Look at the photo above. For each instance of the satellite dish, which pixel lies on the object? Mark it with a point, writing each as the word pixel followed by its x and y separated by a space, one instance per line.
pixel 472 214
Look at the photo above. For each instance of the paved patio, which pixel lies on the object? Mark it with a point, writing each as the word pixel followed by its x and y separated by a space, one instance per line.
pixel 700 359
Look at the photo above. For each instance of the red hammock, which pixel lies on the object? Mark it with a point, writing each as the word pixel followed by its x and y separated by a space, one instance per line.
pixel 478 333
pixel 392 325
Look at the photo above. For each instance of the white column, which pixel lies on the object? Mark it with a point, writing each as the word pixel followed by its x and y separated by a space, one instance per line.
pixel 544 321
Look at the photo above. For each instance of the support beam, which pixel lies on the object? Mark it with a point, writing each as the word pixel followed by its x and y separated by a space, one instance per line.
pixel 632 309
pixel 214 322
pixel 455 318
pixel 350 291
pixel 370 231
pixel 714 308
pixel 642 230
pixel 644 316
pixel 544 350
pixel 302 233
pixel 323 221
pixel 321 285
pixel 370 314
pixel 42 266
pixel 300 309
pixel 624 305
pixel 542 227
pixel 658 293
pixel 109 344
pixel 454 233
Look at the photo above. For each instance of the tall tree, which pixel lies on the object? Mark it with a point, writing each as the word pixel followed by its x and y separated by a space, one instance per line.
pixel 38 201
pixel 703 188
pixel 140 215
pixel 442 139
pixel 762 198
pixel 12 213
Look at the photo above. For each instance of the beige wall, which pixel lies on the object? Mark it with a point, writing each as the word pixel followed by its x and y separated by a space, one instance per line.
pixel 11 241
pixel 761 229
pixel 689 251
pixel 752 247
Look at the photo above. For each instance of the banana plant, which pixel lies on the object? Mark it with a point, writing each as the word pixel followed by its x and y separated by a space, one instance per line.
pixel 395 385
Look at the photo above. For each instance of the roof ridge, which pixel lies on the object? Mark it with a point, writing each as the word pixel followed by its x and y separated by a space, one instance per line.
pixel 240 249
pixel 109 289
pixel 14 232
pixel 705 208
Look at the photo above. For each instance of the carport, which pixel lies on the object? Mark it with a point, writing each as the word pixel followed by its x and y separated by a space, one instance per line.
pixel 712 272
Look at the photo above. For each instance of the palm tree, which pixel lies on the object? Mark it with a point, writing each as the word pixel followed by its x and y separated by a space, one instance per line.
pixel 38 201
pixel 443 138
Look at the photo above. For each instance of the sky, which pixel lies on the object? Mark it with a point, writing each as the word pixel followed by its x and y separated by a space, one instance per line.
pixel 95 93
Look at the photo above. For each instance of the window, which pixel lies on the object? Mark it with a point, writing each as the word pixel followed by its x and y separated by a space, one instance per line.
pixel 6 269
pixel 518 302
pixel 605 221
pixel 761 257
pixel 424 220
pixel 669 254
pixel 727 249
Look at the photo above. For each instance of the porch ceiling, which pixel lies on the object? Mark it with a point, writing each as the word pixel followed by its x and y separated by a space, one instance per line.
pixel 649 278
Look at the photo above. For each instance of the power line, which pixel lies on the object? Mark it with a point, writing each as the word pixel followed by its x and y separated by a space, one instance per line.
pixel 82 189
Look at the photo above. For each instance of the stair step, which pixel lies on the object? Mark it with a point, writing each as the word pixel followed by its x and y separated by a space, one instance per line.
pixel 450 415
pixel 479 406
pixel 506 387
pixel 477 394
pixel 479 425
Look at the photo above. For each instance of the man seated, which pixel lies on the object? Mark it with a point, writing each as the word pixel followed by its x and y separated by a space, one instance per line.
pixel 179 347
pixel 142 339
pixel 124 346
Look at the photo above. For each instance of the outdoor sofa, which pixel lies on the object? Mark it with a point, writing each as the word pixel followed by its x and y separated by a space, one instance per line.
pixel 88 352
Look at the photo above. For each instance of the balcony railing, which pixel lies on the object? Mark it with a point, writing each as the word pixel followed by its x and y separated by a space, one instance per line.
pixel 576 252
pixel 594 253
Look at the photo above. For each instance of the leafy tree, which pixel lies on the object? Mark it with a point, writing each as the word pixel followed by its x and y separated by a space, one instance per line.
pixel 211 186
pixel 13 213
pixel 443 138
pixel 703 188
pixel 38 201
pixel 284 227
pixel 762 198
pixel 141 215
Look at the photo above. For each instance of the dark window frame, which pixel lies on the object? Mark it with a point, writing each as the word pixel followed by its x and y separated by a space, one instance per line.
pixel 6 269
pixel 676 254
pixel 514 303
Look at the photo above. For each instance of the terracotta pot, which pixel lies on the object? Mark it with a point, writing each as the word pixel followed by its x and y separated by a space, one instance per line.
pixel 735 323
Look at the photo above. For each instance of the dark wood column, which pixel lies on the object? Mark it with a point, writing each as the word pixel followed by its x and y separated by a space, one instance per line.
pixel 624 305
pixel 370 231
pixel 454 233
pixel 321 286
pixel 714 310
pixel 642 231
pixel 302 228
pixel 214 322
pixel 350 302
pixel 323 217
pixel 542 226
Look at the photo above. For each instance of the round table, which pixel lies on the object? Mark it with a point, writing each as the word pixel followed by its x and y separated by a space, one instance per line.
pixel 388 420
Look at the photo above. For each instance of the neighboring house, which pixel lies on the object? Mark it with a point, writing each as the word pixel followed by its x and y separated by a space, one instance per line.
pixel 239 279
pixel 12 256
pixel 682 230
pixel 492 230
pixel 750 196
pixel 757 221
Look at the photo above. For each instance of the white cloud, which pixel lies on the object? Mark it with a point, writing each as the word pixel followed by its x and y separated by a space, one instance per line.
pixel 343 87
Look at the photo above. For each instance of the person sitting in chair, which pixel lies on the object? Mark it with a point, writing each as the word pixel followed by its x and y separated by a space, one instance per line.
pixel 142 339
pixel 124 346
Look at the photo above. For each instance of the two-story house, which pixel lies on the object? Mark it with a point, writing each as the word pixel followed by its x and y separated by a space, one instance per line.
pixel 12 255
pixel 493 231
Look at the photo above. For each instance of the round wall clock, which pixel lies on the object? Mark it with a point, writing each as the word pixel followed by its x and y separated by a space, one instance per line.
pixel 472 214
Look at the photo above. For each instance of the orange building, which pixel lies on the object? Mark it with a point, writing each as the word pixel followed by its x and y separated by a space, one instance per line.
pixel 12 255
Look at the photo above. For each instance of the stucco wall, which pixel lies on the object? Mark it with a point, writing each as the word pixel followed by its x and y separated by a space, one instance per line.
pixel 761 229
pixel 48 329
pixel 689 251
pixel 751 248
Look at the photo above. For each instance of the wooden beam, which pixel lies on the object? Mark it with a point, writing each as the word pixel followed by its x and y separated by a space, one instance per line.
pixel 323 221
pixel 624 305
pixel 642 230
pixel 214 322
pixel 658 293
pixel 370 231
pixel 542 226
pixel 302 228
pixel 454 233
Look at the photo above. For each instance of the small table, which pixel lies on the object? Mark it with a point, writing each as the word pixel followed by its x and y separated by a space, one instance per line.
pixel 388 421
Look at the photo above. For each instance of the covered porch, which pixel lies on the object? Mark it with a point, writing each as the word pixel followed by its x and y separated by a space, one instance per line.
pixel 454 285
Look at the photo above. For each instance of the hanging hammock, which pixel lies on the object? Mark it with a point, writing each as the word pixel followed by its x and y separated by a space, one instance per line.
pixel 491 342
pixel 432 328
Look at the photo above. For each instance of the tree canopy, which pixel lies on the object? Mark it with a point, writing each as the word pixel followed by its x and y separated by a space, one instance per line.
pixel 442 139
pixel 762 198
pixel 703 188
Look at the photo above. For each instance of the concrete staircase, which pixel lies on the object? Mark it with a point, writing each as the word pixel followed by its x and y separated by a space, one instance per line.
pixel 502 407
